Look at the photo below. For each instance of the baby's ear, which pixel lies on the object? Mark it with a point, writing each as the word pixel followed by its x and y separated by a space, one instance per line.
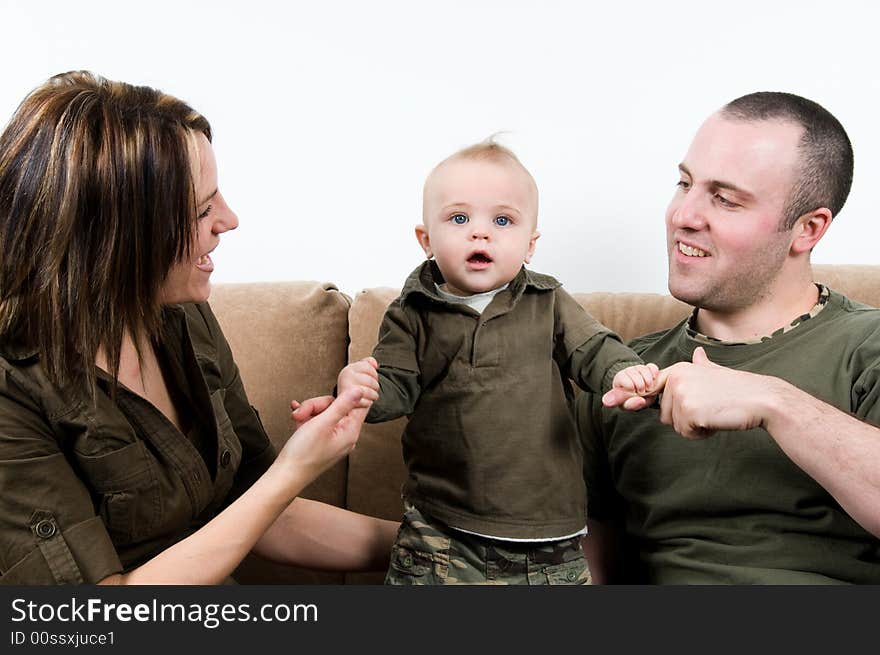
pixel 424 240
pixel 531 250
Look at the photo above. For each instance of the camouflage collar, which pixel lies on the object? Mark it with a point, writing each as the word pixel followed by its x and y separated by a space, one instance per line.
pixel 691 329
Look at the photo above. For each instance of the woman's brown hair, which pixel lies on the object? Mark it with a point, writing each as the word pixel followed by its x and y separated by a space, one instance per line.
pixel 97 202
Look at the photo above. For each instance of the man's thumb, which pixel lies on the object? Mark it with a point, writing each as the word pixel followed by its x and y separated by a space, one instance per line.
pixel 700 357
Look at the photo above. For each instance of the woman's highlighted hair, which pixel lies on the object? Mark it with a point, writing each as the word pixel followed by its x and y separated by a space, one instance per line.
pixel 97 202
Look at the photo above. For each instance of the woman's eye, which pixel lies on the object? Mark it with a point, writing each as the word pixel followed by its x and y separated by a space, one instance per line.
pixel 501 221
pixel 206 212
pixel 459 219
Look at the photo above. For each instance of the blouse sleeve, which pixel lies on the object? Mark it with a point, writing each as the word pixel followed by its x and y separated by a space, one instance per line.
pixel 49 532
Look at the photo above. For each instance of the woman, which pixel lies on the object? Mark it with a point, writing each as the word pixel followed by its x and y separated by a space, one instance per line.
pixel 129 453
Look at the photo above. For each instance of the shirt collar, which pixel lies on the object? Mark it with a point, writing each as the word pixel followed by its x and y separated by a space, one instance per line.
pixel 422 280
pixel 691 324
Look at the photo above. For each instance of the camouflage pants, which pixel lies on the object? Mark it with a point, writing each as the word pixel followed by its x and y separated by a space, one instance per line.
pixel 428 552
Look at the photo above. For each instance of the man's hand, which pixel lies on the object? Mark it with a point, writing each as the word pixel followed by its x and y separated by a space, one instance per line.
pixel 702 397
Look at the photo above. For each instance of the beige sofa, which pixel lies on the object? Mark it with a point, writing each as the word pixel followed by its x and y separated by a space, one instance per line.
pixel 290 340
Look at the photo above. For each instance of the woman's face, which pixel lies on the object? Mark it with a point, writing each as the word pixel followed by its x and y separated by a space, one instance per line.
pixel 189 281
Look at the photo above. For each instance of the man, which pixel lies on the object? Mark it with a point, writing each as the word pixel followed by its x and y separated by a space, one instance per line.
pixel 777 386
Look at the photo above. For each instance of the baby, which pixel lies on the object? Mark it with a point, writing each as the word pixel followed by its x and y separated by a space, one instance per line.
pixel 477 351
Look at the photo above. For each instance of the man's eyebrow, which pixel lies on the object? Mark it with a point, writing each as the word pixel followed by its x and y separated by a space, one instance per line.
pixel 213 193
pixel 720 184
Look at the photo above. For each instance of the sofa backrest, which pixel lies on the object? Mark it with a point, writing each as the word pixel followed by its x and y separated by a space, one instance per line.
pixel 291 339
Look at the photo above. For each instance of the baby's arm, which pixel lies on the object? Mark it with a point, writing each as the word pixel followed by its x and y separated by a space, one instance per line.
pixel 361 373
pixel 398 374
pixel 389 392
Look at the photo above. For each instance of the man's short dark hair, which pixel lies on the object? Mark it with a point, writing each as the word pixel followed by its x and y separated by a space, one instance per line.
pixel 826 153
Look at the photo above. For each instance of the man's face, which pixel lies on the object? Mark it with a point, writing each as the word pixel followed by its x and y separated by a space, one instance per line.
pixel 479 223
pixel 723 224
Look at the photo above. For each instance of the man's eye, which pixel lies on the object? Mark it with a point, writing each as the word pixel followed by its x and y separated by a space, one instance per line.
pixel 501 221
pixel 724 201
pixel 684 184
pixel 458 219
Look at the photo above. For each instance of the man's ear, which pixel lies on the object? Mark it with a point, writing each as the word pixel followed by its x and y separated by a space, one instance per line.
pixel 424 240
pixel 809 228
pixel 531 250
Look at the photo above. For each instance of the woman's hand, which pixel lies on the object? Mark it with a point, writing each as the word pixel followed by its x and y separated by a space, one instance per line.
pixel 301 412
pixel 327 430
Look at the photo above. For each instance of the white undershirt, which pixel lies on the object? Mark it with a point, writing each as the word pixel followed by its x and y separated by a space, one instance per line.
pixel 477 301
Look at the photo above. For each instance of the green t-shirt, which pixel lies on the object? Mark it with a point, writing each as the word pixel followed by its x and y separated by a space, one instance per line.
pixel 734 508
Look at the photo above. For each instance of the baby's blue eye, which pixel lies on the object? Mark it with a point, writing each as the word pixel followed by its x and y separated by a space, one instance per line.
pixel 501 221
pixel 459 219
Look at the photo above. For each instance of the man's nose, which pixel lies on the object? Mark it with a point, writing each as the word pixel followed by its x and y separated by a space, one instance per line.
pixel 689 212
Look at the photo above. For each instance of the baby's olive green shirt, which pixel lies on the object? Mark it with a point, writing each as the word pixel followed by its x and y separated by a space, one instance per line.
pixel 491 445
pixel 90 489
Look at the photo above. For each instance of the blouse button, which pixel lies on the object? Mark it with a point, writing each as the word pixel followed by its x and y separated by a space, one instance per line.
pixel 45 529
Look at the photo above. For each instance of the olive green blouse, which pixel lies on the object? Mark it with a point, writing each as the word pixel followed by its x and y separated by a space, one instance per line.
pixel 88 489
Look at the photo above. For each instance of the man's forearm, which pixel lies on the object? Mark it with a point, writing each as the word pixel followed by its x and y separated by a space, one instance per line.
pixel 839 451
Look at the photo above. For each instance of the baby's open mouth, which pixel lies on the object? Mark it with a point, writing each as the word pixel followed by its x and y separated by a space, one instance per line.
pixel 479 258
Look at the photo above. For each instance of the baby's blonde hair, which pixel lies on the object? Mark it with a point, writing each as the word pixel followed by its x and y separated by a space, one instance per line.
pixel 487 150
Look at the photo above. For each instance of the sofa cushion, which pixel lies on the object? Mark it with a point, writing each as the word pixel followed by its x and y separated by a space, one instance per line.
pixel 289 341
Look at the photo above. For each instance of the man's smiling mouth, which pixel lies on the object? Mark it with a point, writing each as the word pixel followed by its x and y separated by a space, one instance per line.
pixel 691 251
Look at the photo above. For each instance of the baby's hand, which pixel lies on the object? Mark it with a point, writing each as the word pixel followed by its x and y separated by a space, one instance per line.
pixel 632 388
pixel 361 373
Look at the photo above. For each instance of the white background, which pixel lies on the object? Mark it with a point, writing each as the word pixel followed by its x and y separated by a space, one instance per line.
pixel 328 115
